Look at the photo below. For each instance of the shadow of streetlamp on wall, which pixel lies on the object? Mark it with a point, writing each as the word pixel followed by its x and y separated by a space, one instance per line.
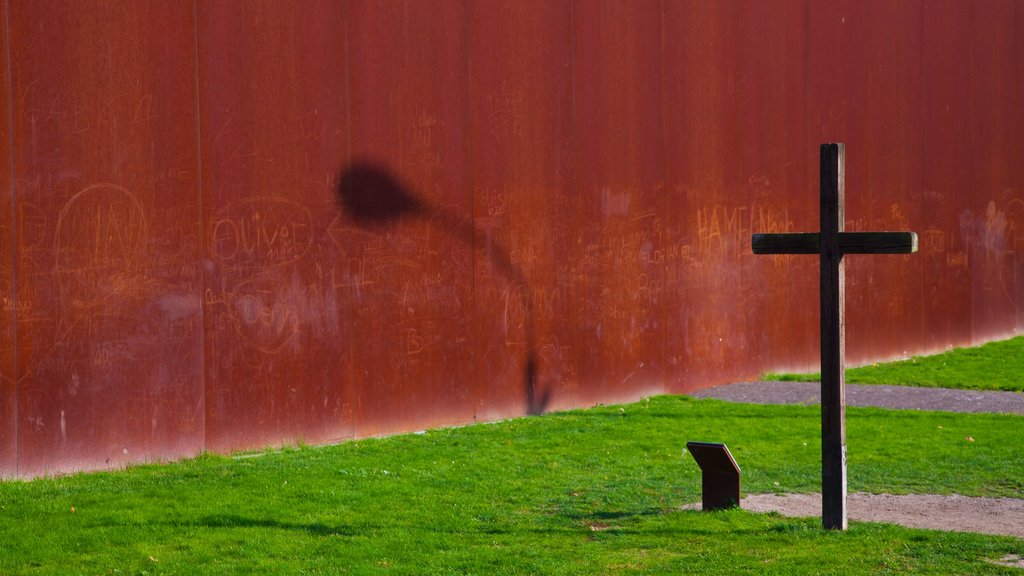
pixel 372 198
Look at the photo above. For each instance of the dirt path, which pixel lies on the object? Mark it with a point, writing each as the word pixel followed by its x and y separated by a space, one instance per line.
pixel 1002 516
pixel 899 397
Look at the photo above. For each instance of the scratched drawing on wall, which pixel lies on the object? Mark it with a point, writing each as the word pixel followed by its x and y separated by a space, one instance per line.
pixel 257 243
pixel 995 237
pixel 262 232
pixel 99 247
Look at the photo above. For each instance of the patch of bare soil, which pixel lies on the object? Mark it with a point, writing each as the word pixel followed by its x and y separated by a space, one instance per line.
pixel 1010 560
pixel 1001 516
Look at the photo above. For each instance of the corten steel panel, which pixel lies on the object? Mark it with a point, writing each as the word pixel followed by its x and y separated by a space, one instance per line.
pixel 994 215
pixel 835 111
pixel 704 244
pixel 279 342
pixel 559 193
pixel 1014 149
pixel 8 376
pixel 838 70
pixel 620 181
pixel 884 310
pixel 946 150
pixel 746 106
pixel 776 167
pixel 105 184
pixel 409 218
pixel 525 207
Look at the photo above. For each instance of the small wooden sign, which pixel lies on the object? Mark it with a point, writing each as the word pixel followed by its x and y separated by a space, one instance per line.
pixel 720 475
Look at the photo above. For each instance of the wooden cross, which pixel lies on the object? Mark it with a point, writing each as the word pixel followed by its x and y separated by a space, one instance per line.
pixel 831 244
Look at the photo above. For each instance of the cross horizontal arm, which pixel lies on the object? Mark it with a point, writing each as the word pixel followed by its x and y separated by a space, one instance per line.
pixel 877 242
pixel 798 243
pixel 849 243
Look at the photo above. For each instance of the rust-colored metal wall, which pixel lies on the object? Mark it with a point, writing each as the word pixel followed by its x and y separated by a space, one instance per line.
pixel 411 244
pixel 230 225
pixel 525 210
pixel 8 377
pixel 106 350
pixel 277 309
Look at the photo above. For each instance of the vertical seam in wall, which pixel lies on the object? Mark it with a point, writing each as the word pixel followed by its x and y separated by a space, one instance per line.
pixel 574 190
pixel 474 309
pixel 201 245
pixel 970 168
pixel 923 334
pixel 347 121
pixel 14 229
pixel 665 374
pixel 809 129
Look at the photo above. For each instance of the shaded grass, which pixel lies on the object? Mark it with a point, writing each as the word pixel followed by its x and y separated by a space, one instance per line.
pixel 993 366
pixel 584 492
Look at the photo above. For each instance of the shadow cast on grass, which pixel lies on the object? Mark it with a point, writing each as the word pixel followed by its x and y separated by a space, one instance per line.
pixel 620 515
pixel 580 525
pixel 315 529
pixel 320 529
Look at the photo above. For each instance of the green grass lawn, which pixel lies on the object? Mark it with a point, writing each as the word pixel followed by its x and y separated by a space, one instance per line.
pixel 994 366
pixel 584 492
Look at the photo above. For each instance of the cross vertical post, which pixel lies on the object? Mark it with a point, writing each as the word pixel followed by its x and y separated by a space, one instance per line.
pixel 831 244
pixel 833 339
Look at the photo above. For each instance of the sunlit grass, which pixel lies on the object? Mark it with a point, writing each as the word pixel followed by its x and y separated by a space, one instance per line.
pixel 993 366
pixel 584 492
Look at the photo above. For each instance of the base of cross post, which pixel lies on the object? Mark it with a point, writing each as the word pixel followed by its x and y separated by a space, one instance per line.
pixel 833 495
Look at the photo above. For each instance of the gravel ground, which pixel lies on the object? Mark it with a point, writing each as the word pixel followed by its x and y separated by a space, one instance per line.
pixel 901 397
pixel 1003 516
